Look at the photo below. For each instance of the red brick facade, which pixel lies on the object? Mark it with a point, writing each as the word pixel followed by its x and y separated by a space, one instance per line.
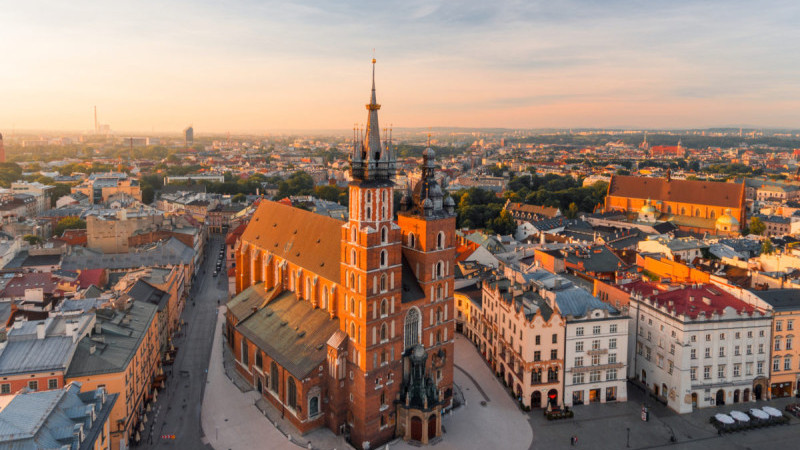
pixel 387 295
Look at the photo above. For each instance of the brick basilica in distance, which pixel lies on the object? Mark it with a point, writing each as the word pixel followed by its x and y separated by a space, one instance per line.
pixel 349 325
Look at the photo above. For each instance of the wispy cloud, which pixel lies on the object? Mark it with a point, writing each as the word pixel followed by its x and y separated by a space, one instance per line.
pixel 254 64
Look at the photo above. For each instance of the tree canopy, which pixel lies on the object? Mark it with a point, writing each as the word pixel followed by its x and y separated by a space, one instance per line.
pixel 757 226
pixel 69 223
pixel 298 183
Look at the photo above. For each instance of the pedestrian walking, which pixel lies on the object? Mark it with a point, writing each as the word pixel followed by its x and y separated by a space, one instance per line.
pixel 572 441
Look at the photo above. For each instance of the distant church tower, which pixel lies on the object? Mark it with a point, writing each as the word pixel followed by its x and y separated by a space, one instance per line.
pixel 371 269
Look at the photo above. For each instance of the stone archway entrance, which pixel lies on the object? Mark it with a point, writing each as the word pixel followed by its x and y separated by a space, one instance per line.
pixel 552 397
pixel 416 429
pixel 746 395
pixel 536 399
pixel 758 392
pixel 736 396
pixel 720 398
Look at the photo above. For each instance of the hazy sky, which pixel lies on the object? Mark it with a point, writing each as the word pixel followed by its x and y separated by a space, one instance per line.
pixel 242 65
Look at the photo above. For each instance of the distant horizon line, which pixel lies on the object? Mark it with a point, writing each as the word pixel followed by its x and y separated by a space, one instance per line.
pixel 12 132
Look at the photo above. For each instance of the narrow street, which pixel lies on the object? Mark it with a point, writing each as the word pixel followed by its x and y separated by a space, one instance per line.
pixel 176 418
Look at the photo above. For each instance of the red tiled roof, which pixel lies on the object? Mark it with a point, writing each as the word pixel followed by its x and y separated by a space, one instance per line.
pixel 713 193
pixel 546 211
pixel 90 277
pixel 464 251
pixel 310 240
pixel 665 149
pixel 17 285
pixel 74 237
pixel 234 234
pixel 691 300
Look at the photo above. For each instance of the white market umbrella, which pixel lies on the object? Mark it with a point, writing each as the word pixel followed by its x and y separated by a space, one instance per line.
pixel 772 411
pixel 724 418
pixel 759 414
pixel 740 416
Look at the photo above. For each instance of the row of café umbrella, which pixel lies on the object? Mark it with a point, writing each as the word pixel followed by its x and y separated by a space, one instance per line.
pixel 737 416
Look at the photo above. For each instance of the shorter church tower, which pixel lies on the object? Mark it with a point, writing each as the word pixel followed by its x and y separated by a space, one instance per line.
pixel 427 219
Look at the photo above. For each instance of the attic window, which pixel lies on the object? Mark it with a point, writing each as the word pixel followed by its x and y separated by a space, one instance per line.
pixel 322 264
pixel 295 231
pixel 318 241
pixel 275 225
pixel 301 334
pixel 298 254
pixel 284 323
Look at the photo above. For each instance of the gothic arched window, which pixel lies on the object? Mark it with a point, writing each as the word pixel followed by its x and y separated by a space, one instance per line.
pixel 383 258
pixel 383 282
pixel 273 377
pixel 411 240
pixel 384 235
pixel 292 395
pixel 313 406
pixel 383 332
pixel 440 240
pixel 383 307
pixel 411 328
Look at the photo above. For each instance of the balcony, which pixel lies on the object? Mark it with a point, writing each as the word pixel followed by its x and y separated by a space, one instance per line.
pixel 601 351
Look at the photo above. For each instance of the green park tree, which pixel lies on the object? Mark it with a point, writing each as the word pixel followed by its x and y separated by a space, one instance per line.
pixel 69 223
pixel 757 226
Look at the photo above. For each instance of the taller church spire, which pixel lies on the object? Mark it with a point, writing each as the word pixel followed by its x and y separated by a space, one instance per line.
pixel 370 159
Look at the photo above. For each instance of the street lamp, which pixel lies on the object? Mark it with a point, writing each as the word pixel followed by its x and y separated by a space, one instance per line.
pixel 628 444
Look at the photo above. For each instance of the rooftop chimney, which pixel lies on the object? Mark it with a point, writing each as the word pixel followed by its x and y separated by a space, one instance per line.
pixel 40 330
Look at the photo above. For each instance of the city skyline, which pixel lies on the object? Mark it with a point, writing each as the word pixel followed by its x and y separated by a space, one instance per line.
pixel 250 67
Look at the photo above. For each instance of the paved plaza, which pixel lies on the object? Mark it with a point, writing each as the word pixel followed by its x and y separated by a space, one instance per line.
pixel 498 425
pixel 232 420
